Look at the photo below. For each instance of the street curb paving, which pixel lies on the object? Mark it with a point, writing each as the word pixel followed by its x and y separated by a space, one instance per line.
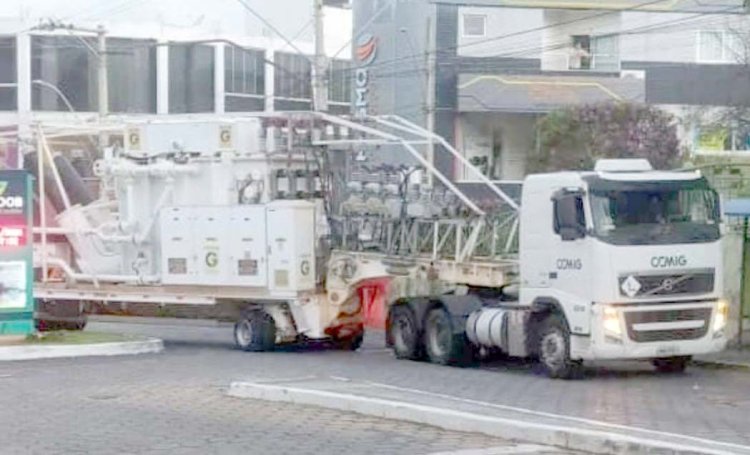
pixel 148 346
pixel 592 441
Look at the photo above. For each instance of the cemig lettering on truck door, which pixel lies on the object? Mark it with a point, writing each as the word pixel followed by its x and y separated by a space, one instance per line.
pixel 569 264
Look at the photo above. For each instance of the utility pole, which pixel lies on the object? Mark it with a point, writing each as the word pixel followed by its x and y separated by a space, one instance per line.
pixel 320 72
pixel 101 50
pixel 430 94
pixel 102 81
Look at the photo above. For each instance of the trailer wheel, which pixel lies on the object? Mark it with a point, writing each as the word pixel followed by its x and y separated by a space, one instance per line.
pixel 255 332
pixel 443 346
pixel 403 333
pixel 671 364
pixel 352 343
pixel 554 350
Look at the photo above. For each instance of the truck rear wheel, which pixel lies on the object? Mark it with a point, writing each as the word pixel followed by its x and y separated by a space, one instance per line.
pixel 59 315
pixel 442 345
pixel 554 350
pixel 671 364
pixel 255 332
pixel 403 333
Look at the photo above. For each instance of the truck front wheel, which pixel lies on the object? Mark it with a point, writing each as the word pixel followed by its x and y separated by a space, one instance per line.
pixel 671 364
pixel 255 332
pixel 554 350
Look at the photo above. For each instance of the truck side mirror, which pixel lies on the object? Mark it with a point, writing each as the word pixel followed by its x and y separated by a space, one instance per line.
pixel 569 219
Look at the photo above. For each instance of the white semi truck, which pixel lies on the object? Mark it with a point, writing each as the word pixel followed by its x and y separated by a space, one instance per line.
pixel 267 217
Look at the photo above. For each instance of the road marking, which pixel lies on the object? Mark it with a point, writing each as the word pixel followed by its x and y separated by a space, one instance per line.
pixel 560 416
pixel 502 450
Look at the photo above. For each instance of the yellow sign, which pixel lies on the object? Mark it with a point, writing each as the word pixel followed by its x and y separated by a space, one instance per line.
pixel 713 140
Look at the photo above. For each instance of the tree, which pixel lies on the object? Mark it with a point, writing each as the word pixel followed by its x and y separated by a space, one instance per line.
pixel 575 137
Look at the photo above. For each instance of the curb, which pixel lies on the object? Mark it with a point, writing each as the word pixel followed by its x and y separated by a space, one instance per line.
pixel 12 353
pixel 721 365
pixel 592 441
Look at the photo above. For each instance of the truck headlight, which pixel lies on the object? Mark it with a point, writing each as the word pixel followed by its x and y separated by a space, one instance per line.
pixel 722 315
pixel 611 322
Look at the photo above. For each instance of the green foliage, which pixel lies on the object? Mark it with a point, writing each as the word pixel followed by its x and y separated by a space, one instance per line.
pixel 574 138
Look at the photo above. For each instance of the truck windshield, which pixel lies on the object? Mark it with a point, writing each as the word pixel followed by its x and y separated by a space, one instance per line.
pixel 654 213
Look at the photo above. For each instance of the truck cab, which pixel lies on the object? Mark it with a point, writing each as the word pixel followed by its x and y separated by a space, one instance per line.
pixel 630 261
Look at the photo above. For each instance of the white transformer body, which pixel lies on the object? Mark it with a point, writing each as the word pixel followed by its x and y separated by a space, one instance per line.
pixel 260 246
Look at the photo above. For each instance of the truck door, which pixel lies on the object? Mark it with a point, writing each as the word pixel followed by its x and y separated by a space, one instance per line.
pixel 569 261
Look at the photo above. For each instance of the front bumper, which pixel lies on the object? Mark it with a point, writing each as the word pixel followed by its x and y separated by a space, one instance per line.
pixel 652 339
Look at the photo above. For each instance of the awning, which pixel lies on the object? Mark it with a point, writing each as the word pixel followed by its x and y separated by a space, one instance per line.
pixel 542 93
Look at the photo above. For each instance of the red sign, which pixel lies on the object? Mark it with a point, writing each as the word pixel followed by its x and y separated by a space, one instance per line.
pixel 12 236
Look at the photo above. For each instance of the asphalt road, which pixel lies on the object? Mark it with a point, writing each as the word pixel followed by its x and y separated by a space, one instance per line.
pixel 175 403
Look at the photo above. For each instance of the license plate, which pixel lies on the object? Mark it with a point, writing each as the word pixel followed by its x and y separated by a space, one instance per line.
pixel 667 350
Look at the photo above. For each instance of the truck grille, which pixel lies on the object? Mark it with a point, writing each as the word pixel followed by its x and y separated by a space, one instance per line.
pixel 634 318
pixel 698 282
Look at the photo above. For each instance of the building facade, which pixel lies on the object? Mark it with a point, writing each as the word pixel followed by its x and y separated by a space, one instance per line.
pixel 163 58
pixel 481 72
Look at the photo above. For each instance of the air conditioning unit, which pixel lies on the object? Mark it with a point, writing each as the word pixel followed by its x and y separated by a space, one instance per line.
pixel 633 74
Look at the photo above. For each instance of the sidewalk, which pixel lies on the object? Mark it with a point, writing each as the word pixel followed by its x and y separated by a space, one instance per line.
pixel 459 414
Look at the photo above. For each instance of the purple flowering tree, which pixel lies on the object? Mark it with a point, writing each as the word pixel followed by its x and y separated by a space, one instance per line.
pixel 574 138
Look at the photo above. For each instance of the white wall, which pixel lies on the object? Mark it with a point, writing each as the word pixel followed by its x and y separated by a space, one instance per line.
pixel 500 23
pixel 643 36
pixel 562 24
pixel 479 133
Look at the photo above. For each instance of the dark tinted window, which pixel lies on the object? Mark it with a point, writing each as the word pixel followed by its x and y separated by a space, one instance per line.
pixel 340 81
pixel 8 91
pixel 67 64
pixel 131 72
pixel 292 76
pixel 244 79
pixel 191 78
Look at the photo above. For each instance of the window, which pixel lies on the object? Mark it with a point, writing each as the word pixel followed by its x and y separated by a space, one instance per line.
pixel 131 75
pixel 340 81
pixel 293 81
pixel 719 47
pixel 474 25
pixel 568 218
pixel 63 70
pixel 659 213
pixel 597 53
pixel 191 78
pixel 8 88
pixel 244 79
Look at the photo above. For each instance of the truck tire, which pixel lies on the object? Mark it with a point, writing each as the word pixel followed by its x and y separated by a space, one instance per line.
pixel 255 332
pixel 442 345
pixel 403 333
pixel 554 349
pixel 60 315
pixel 671 364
